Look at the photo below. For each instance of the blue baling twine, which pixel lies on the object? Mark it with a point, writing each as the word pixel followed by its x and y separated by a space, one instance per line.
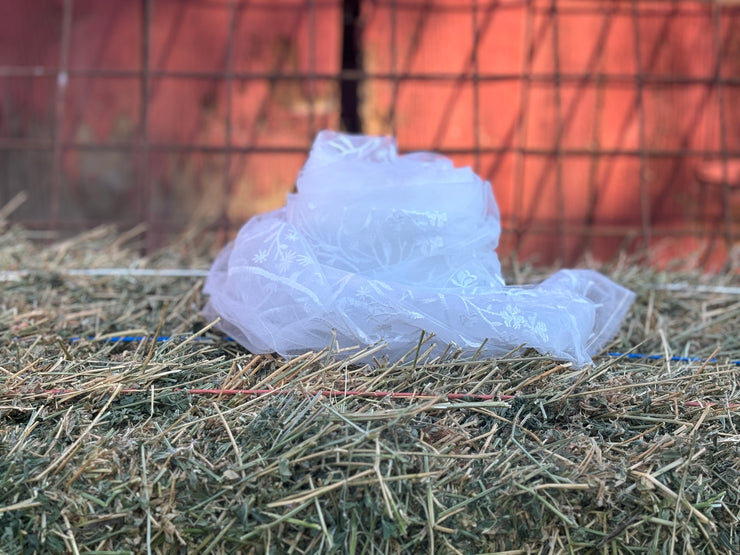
pixel 160 338
pixel 134 338
pixel 672 359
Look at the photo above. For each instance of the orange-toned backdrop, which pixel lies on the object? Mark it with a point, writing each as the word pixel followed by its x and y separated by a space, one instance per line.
pixel 625 145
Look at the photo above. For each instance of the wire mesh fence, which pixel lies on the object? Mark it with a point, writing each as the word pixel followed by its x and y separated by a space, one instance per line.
pixel 604 126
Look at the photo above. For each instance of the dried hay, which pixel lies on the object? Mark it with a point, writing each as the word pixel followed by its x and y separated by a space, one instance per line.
pixel 109 447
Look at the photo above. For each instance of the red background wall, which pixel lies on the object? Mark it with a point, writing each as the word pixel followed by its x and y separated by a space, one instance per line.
pixel 601 125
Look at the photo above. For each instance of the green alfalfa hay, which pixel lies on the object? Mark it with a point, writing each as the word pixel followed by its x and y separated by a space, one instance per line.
pixel 102 449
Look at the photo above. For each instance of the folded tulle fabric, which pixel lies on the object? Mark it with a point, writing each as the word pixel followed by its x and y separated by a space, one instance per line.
pixel 376 247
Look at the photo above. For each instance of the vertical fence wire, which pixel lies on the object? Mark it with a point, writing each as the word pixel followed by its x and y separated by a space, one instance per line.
pixel 559 126
pixel 476 83
pixel 642 140
pixel 585 244
pixel 59 111
pixel 393 54
pixel 144 182
pixel 719 86
pixel 311 85
pixel 520 166
pixel 227 182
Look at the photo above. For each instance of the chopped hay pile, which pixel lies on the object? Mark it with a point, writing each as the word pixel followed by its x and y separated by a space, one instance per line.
pixel 128 447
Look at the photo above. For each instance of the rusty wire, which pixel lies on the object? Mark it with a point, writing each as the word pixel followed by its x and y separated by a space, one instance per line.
pixel 521 222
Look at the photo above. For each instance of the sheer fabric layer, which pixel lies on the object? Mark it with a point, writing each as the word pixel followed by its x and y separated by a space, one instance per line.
pixel 377 247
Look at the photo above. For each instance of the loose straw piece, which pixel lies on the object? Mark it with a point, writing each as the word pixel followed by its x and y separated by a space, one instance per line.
pixel 64 458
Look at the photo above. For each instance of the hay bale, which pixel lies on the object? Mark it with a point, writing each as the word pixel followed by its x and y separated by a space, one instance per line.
pixel 191 444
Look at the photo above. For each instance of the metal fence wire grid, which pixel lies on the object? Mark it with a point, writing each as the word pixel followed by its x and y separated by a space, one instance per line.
pixel 604 126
